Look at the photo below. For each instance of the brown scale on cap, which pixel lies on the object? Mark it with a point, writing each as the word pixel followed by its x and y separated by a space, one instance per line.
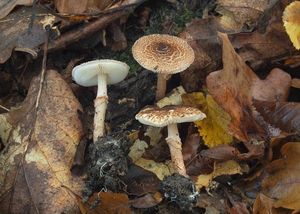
pixel 161 117
pixel 163 53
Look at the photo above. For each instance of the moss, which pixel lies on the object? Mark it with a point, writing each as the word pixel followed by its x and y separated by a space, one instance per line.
pixel 172 17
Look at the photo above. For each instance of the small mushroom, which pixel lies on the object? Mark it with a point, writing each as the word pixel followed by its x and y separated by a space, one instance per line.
pixel 100 73
pixel 170 116
pixel 163 54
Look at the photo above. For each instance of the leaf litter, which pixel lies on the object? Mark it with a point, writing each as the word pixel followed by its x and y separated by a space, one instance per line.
pixel 244 67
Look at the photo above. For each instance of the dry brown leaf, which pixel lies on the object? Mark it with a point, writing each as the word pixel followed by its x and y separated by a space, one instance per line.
pixel 295 83
pixel 283 115
pixel 274 88
pixel 241 15
pixel 15 34
pixel 283 181
pixel 8 5
pixel 108 203
pixel 147 201
pixel 263 205
pixel 78 7
pixel 231 89
pixel 39 149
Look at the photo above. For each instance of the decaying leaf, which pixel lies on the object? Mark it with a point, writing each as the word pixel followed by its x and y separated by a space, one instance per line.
pixel 283 115
pixel 241 15
pixel 8 5
pixel 147 201
pixel 106 203
pixel 283 181
pixel 40 145
pixel 291 22
pixel 264 205
pixel 236 84
pixel 79 7
pixel 225 168
pixel 231 88
pixel 173 98
pixel 159 169
pixel 214 128
pixel 15 32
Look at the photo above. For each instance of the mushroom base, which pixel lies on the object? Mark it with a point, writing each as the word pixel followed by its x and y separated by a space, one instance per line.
pixel 174 142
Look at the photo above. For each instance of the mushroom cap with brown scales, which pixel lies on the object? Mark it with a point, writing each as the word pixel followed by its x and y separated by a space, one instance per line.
pixel 160 117
pixel 163 53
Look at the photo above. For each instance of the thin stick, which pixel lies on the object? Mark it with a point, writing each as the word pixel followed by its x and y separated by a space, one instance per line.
pixel 44 67
pixel 6 109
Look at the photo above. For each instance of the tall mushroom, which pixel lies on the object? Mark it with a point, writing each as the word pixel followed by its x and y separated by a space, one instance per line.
pixel 170 116
pixel 100 73
pixel 163 54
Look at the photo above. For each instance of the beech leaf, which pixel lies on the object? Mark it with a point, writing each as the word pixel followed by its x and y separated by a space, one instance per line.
pixel 214 128
pixel 40 145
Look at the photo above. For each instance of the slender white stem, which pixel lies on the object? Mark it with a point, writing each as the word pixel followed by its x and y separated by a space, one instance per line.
pixel 100 104
pixel 174 142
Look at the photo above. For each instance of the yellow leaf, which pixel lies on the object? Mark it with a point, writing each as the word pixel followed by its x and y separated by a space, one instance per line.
pixel 291 22
pixel 161 170
pixel 213 128
pixel 225 168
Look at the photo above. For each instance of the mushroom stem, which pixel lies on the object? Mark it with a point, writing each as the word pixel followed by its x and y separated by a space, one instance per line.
pixel 100 104
pixel 174 142
pixel 161 86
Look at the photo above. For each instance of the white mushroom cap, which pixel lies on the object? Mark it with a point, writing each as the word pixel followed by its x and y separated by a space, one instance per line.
pixel 86 74
pixel 160 117
pixel 163 53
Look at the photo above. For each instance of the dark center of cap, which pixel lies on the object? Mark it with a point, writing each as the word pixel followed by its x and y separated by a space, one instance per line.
pixel 162 47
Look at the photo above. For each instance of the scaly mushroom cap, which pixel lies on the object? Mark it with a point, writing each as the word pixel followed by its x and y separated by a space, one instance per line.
pixel 291 20
pixel 163 53
pixel 160 117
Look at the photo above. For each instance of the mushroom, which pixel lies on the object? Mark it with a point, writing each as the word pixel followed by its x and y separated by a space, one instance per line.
pixel 163 54
pixel 100 73
pixel 170 116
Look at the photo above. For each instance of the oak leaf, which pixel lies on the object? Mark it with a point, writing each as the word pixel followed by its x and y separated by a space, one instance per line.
pixel 40 144
pixel 213 128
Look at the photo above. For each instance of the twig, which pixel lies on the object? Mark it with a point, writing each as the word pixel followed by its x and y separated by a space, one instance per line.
pixel 3 107
pixel 44 67
pixel 87 29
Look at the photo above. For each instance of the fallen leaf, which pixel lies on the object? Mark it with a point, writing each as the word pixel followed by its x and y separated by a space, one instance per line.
pixel 75 7
pixel 161 170
pixel 274 88
pixel 225 168
pixel 15 32
pixel 8 5
pixel 282 183
pixel 239 16
pixel 214 128
pixel 264 205
pixel 295 83
pixel 173 98
pixel 231 89
pixel 140 181
pixel 40 145
pixel 291 22
pixel 105 203
pixel 147 201
pixel 283 115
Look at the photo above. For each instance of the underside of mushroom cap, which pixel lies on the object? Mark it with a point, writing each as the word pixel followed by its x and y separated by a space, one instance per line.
pixel 163 53
pixel 86 74
pixel 160 117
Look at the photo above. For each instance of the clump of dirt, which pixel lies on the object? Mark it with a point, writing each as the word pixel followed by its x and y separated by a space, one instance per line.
pixel 107 161
pixel 180 190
